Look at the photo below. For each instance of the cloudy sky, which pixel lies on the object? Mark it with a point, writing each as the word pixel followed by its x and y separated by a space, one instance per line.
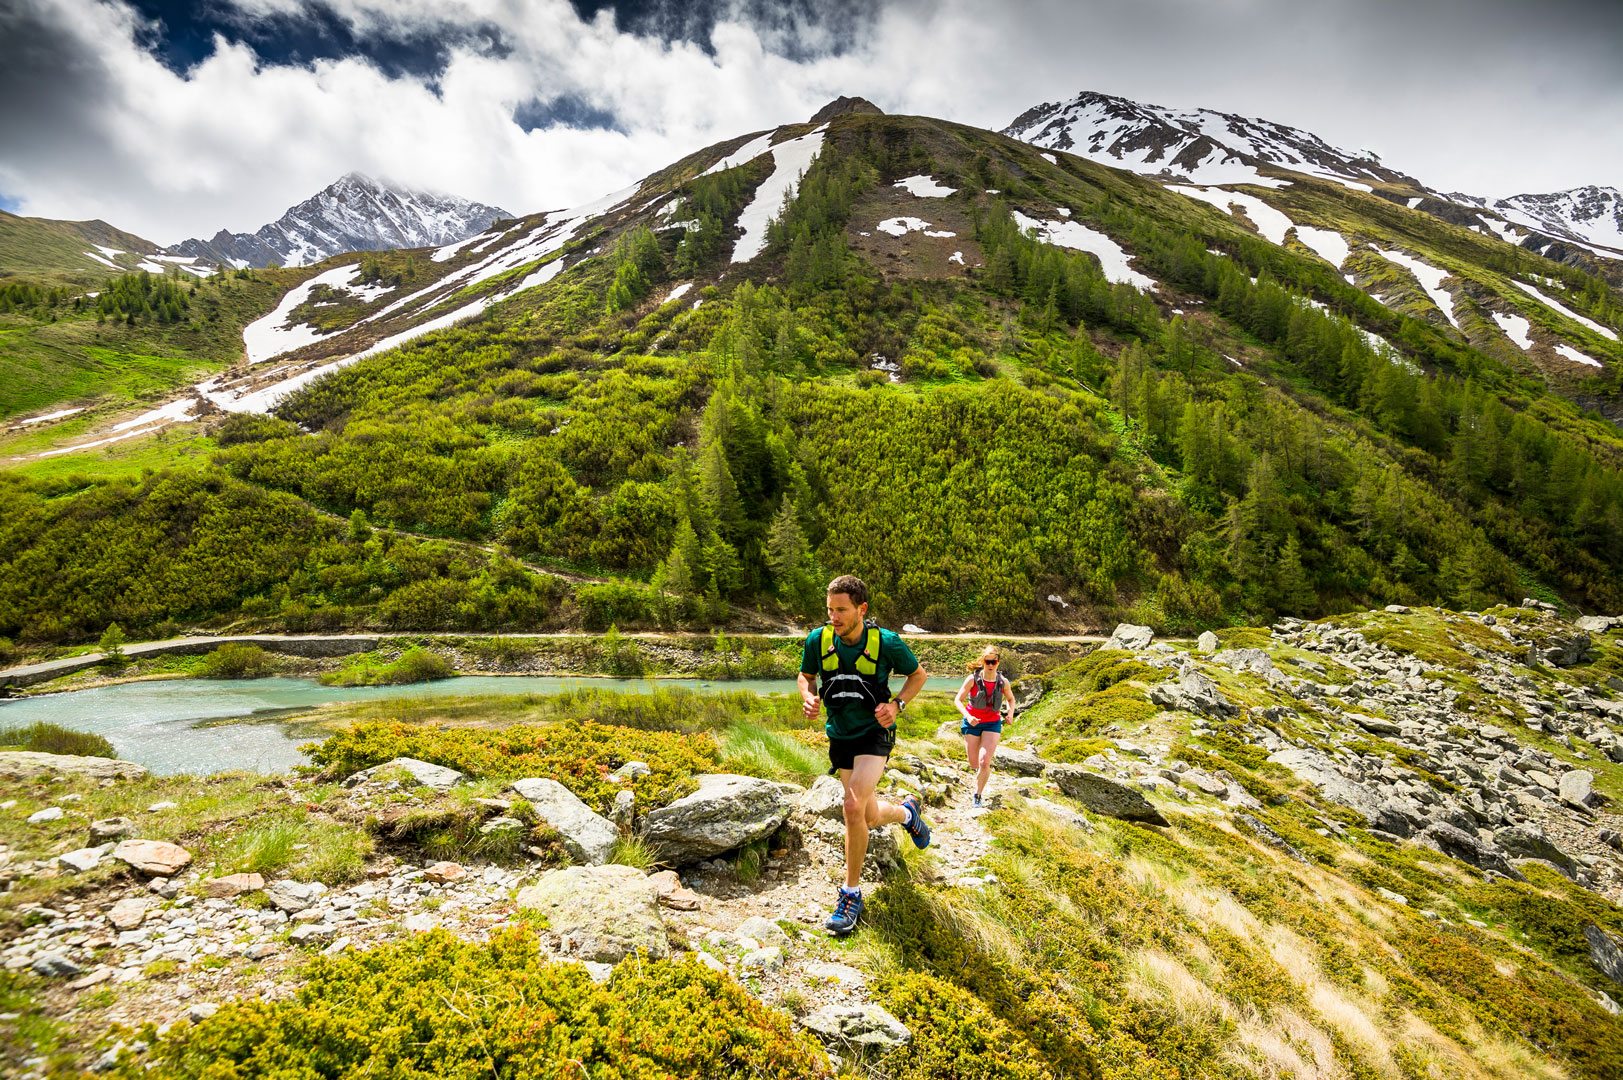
pixel 174 119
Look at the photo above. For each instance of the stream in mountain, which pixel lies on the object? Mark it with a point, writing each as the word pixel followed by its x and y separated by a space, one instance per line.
pixel 209 725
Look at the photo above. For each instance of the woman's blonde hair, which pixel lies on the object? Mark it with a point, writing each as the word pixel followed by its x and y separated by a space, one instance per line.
pixel 977 665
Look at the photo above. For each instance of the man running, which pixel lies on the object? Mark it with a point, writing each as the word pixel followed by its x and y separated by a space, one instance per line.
pixel 853 660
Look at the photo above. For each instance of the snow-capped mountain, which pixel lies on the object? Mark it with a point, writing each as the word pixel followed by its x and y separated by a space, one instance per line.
pixel 355 213
pixel 1194 145
pixel 1591 216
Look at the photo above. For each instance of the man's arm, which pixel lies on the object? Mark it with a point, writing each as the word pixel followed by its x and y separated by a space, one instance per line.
pixel 886 713
pixel 809 701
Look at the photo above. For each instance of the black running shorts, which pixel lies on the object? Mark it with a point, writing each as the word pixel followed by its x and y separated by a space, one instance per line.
pixel 877 742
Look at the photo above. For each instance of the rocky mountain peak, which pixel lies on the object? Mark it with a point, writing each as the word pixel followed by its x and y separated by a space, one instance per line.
pixel 846 106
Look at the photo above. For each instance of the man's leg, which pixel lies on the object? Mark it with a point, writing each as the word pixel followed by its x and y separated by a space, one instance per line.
pixel 863 811
pixel 984 771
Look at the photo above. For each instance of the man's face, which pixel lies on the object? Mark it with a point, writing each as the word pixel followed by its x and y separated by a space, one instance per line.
pixel 843 615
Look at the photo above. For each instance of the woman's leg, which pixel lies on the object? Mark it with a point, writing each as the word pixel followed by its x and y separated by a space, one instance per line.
pixel 983 772
pixel 972 745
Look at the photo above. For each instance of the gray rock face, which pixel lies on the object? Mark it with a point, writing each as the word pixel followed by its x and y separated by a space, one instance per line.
pixel 425 773
pixel 1605 952
pixel 1129 637
pixel 861 1028
pixel 1461 845
pixel 1318 770
pixel 600 913
pixel 1596 624
pixel 1103 795
pixel 1193 692
pixel 1018 762
pixel 1561 649
pixel 30 764
pixel 1529 842
pixel 56 965
pixel 1253 660
pixel 726 812
pixel 588 837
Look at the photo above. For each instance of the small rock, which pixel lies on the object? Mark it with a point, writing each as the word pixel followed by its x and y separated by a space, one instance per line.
pixel 766 959
pixel 587 836
pixel 113 828
pixel 1206 643
pixel 50 813
pixel 824 799
pixel 623 814
pixel 56 965
pixel 424 773
pixel 857 1028
pixel 232 885
pixel 199 1011
pixel 1577 787
pixel 603 913
pixel 420 922
pixel 763 930
pixel 501 825
pixel 167 888
pixel 84 858
pixel 158 807
pixel 599 972
pixel 336 947
pixel 838 974
pixel 1019 762
pixel 293 896
pixel 312 932
pixel 442 872
pixel 631 770
pixel 128 914
pixel 260 950
pixel 155 857
pixel 95 978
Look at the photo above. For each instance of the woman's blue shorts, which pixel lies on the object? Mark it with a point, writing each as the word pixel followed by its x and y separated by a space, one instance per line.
pixel 966 728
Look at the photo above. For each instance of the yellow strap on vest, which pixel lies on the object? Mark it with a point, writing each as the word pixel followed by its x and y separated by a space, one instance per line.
pixel 867 663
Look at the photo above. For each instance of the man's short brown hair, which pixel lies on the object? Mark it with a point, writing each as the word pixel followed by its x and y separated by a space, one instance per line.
pixel 851 586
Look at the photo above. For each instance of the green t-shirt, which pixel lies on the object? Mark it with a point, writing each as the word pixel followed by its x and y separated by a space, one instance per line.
pixel 849 719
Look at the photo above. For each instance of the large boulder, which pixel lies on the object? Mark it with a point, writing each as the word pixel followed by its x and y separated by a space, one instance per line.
pixel 31 764
pixel 1103 795
pixel 1018 762
pixel 1318 770
pixel 1577 788
pixel 587 836
pixel 1563 648
pixel 425 773
pixel 726 812
pixel 1206 643
pixel 1129 637
pixel 599 913
pixel 1253 660
pixel 1456 842
pixel 155 857
pixel 1605 952
pixel 1193 692
pixel 824 799
pixel 293 897
pixel 1529 842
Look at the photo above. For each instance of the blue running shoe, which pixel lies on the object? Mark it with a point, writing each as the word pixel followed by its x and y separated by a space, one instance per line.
pixel 847 910
pixel 916 826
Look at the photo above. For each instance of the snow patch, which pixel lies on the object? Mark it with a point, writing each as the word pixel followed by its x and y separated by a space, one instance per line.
pixel 1430 278
pixel 678 292
pixel 104 262
pixel 151 267
pixel 744 154
pixel 790 159
pixel 107 251
pixel 48 417
pixel 1330 245
pixel 1050 158
pixel 1516 329
pixel 901 226
pixel 1574 355
pixel 956 257
pixel 449 251
pixel 925 187
pixel 271 336
pixel 1072 234
pixel 1272 224
pixel 1416 201
pixel 1604 331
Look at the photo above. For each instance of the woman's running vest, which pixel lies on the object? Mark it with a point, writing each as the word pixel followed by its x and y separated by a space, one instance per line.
pixel 986 699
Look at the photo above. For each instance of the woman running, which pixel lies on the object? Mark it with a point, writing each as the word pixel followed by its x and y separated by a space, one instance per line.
pixel 983 700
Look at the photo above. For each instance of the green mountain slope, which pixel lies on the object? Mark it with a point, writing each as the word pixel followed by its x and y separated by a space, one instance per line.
pixel 32 246
pixel 978 420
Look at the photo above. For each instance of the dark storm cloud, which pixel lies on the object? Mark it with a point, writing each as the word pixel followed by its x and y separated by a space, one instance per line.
pixel 181 34
pixel 51 84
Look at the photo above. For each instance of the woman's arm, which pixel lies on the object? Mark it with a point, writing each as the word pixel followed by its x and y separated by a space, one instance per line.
pixel 963 710
pixel 1008 698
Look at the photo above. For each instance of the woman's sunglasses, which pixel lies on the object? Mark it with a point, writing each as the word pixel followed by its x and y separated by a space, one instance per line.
pixel 989 663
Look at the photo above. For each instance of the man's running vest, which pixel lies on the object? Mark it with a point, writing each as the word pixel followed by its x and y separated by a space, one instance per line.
pixel 855 678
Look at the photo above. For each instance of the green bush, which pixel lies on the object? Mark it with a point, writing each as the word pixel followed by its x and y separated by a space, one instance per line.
pixel 237 660
pixel 436 1006
pixel 414 665
pixel 47 738
pixel 580 755
pixel 955 1036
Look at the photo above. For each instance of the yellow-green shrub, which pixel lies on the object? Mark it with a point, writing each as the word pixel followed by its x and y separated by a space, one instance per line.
pixel 579 756
pixel 435 1006
pixel 955 1036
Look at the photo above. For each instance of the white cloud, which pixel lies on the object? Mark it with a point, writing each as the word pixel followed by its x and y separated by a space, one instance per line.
pixel 234 141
